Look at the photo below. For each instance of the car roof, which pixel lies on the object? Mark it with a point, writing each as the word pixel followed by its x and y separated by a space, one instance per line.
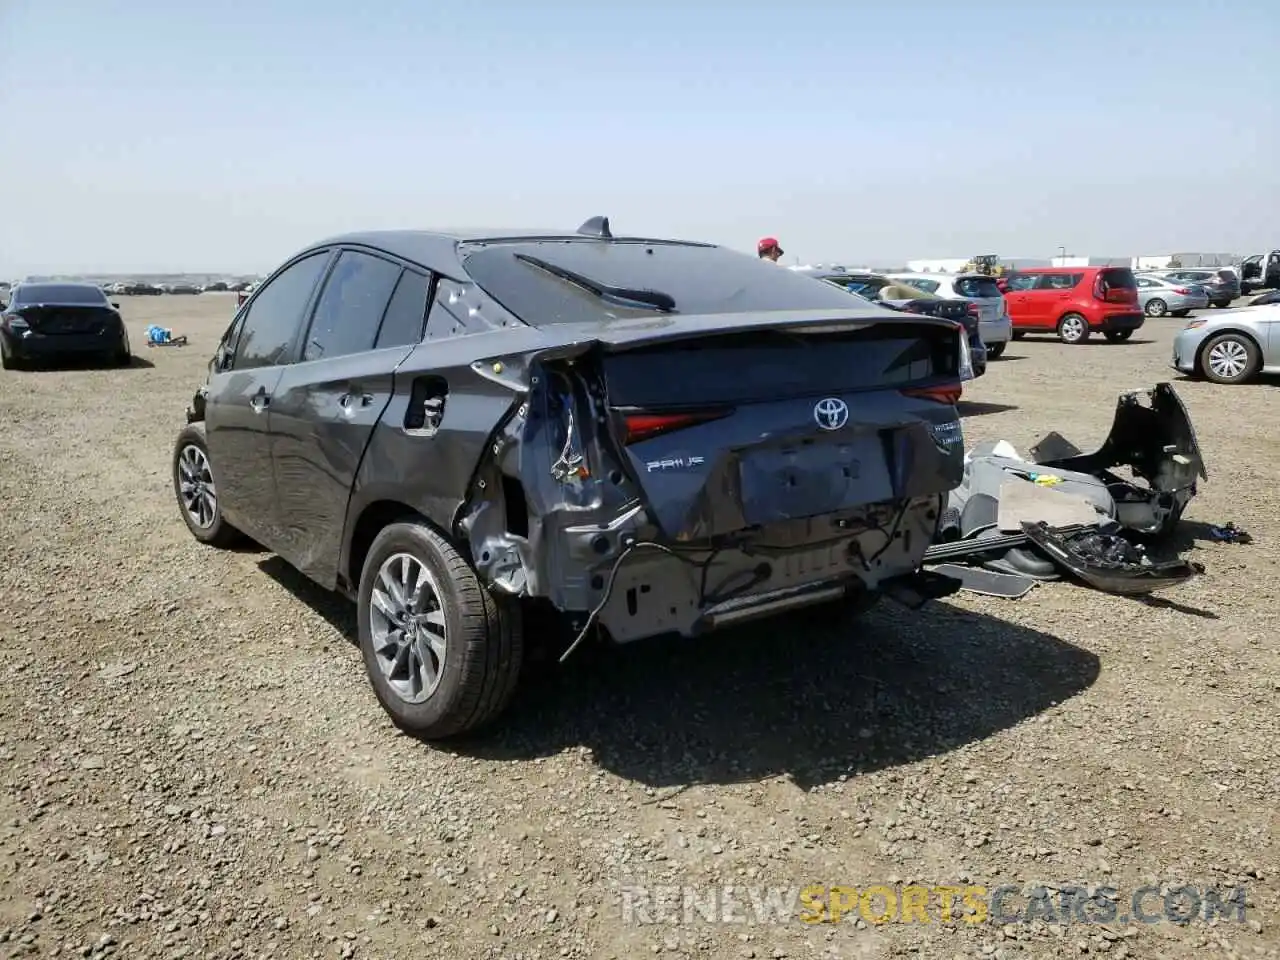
pixel 1096 266
pixel 440 250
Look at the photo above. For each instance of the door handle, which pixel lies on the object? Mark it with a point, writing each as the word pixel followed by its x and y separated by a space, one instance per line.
pixel 259 402
pixel 349 401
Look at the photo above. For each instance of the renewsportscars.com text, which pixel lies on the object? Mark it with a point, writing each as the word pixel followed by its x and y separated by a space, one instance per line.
pixel 924 904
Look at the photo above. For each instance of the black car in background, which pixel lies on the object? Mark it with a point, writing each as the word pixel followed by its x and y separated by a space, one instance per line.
pixel 48 321
pixel 644 436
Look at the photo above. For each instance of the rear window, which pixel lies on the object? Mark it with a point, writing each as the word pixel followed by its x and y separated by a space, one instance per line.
pixel 699 279
pixel 977 287
pixel 59 293
pixel 737 368
pixel 1119 278
pixel 1228 275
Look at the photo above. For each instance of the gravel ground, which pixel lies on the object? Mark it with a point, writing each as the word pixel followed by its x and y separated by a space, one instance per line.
pixel 194 765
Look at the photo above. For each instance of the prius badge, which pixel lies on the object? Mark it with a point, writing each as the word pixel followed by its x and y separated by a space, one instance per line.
pixel 831 413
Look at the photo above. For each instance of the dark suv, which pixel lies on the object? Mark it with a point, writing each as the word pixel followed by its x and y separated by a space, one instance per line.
pixel 649 436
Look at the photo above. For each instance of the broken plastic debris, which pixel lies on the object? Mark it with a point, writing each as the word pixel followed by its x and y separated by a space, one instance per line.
pixel 1230 533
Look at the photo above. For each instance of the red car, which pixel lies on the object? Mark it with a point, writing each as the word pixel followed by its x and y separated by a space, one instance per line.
pixel 1074 302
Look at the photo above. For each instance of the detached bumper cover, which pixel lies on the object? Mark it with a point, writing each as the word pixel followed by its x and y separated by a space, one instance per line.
pixel 986 523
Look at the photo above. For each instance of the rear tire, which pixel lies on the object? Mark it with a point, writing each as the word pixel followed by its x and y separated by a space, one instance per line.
pixel 197 492
pixel 1118 336
pixel 1156 307
pixel 1073 329
pixel 1229 358
pixel 8 361
pixel 994 350
pixel 1019 334
pixel 443 656
pixel 1181 313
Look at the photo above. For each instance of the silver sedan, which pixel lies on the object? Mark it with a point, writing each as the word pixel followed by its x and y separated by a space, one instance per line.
pixel 1159 296
pixel 1231 347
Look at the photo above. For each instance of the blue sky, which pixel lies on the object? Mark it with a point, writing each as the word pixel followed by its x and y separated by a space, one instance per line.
pixel 222 136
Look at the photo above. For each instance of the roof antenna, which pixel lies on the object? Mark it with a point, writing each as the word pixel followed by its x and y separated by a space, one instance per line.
pixel 596 227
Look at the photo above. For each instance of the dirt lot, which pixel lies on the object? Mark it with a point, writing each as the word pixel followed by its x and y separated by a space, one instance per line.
pixel 194 765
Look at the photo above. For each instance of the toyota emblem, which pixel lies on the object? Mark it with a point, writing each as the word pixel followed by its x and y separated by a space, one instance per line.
pixel 831 413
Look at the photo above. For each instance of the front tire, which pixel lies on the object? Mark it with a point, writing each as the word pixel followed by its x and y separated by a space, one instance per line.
pixel 994 350
pixel 197 492
pixel 1230 358
pixel 1156 307
pixel 443 655
pixel 1073 329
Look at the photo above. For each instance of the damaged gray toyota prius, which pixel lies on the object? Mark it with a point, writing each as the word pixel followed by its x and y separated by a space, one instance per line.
pixel 647 436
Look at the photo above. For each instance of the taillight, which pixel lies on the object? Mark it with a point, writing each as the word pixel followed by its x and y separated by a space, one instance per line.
pixel 974 311
pixel 646 426
pixel 1183 291
pixel 946 393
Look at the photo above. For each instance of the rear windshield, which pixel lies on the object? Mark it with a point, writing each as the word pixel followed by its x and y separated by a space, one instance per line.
pixel 763 366
pixel 1227 275
pixel 972 287
pixel 58 293
pixel 1119 278
pixel 699 279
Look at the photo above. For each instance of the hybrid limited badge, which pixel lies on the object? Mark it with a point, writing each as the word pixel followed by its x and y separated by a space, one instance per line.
pixel 831 413
pixel 947 435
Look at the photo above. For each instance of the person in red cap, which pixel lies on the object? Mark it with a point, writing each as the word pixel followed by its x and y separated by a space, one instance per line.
pixel 768 249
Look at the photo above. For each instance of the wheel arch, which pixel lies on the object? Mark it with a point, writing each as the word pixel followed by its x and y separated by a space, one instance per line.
pixel 364 528
pixel 1215 334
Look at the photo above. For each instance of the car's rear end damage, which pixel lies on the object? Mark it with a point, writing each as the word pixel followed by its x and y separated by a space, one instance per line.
pixel 678 477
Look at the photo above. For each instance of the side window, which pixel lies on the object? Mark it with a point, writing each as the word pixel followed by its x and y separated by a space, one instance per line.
pixel 350 308
pixel 1023 281
pixel 1144 282
pixel 1060 281
pixel 407 312
pixel 271 321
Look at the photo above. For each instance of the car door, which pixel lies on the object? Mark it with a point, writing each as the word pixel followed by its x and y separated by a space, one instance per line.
pixel 1021 301
pixel 367 319
pixel 240 389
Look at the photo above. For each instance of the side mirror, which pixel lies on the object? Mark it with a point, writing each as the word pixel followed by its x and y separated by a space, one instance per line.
pixel 114 304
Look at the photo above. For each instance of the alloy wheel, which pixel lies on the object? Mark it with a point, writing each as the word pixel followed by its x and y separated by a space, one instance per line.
pixel 196 487
pixel 1073 329
pixel 408 626
pixel 1228 359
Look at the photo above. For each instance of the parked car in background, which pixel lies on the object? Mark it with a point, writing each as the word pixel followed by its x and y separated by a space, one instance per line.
pixel 49 321
pixel 878 288
pixel 218 286
pixel 993 313
pixel 1158 296
pixel 1230 347
pixel 1220 283
pixel 186 289
pixel 444 428
pixel 1074 302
